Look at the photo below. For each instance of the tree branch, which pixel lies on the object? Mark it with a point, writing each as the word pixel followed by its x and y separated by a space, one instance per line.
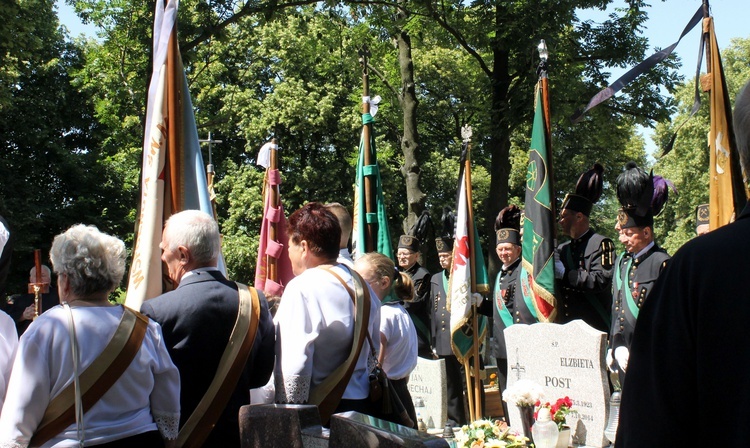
pixel 382 79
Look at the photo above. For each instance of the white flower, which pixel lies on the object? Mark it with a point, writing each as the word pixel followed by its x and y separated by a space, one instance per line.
pixel 523 393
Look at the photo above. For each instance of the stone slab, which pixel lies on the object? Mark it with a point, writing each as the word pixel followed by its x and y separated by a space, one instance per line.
pixel 288 425
pixel 354 430
pixel 566 360
pixel 428 389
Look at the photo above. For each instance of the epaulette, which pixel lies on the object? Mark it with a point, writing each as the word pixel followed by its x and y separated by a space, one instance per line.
pixel 608 253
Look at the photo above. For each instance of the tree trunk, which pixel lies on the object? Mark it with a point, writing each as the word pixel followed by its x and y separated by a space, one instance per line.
pixel 499 145
pixel 410 145
pixel 410 140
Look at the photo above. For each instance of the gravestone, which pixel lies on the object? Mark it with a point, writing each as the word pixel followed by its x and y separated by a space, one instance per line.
pixel 354 430
pixel 287 425
pixel 428 389
pixel 566 360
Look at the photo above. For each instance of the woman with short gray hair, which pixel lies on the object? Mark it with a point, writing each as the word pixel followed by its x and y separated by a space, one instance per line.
pixel 141 407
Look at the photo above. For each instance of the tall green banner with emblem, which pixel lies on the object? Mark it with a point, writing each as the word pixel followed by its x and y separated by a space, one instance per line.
pixel 539 223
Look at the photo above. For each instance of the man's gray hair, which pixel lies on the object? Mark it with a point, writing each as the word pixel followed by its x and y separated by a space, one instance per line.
pixel 93 261
pixel 198 232
pixel 742 126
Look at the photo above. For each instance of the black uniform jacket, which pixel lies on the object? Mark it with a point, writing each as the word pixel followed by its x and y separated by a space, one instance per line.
pixel 507 294
pixel 586 286
pixel 635 276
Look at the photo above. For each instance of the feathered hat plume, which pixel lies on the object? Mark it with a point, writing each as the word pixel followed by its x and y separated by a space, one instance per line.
pixel 642 196
pixel 444 242
pixel 588 191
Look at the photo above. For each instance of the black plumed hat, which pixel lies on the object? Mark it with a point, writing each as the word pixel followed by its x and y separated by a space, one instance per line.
pixel 444 243
pixel 508 225
pixel 588 191
pixel 642 196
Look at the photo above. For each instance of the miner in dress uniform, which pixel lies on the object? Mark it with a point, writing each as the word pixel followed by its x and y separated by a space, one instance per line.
pixel 508 303
pixel 441 331
pixel 642 196
pixel 408 255
pixel 584 265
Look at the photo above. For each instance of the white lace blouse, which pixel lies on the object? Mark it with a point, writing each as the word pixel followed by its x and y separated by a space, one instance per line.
pixel 314 333
pixel 144 398
pixel 8 346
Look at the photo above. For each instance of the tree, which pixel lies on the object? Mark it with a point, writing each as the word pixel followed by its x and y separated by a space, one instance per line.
pixel 50 166
pixel 501 38
pixel 268 69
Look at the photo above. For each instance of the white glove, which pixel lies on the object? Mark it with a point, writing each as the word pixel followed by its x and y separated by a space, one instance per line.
pixel 476 299
pixel 609 360
pixel 559 267
pixel 621 355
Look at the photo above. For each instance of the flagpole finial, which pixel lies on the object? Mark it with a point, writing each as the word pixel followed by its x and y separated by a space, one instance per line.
pixel 364 54
pixel 466 133
pixel 543 52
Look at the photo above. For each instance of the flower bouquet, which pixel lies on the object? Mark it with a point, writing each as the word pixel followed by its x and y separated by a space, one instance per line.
pixel 488 434
pixel 523 393
pixel 558 411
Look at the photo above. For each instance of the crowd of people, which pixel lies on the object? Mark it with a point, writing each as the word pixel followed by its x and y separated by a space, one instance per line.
pixel 77 368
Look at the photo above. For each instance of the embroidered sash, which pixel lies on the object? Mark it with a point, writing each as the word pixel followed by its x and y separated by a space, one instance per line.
pixel 200 423
pixel 97 379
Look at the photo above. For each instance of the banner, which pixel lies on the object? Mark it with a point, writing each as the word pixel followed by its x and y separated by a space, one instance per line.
pixel 468 261
pixel 381 237
pixel 173 177
pixel 727 194
pixel 538 245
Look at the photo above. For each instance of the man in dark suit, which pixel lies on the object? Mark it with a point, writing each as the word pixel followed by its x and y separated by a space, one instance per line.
pixel 197 319
pixel 638 268
pixel 584 266
pixel 408 255
pixel 690 346
pixel 441 332
pixel 507 306
pixel 21 307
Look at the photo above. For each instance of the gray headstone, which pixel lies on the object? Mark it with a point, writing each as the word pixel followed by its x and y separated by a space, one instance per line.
pixel 354 430
pixel 566 360
pixel 288 425
pixel 428 389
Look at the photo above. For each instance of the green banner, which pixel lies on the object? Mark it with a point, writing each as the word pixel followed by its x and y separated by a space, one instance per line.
pixel 539 223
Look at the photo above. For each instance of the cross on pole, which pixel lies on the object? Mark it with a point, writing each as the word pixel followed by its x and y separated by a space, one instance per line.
pixel 210 172
pixel 518 367
pixel 210 141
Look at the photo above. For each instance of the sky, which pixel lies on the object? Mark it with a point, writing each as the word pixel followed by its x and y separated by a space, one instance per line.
pixel 667 19
pixel 69 18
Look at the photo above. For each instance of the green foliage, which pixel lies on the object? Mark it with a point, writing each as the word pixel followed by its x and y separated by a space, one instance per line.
pixel 239 198
pixel 51 165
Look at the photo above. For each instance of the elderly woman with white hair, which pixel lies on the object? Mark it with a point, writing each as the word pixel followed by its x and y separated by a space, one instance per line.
pixel 89 370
